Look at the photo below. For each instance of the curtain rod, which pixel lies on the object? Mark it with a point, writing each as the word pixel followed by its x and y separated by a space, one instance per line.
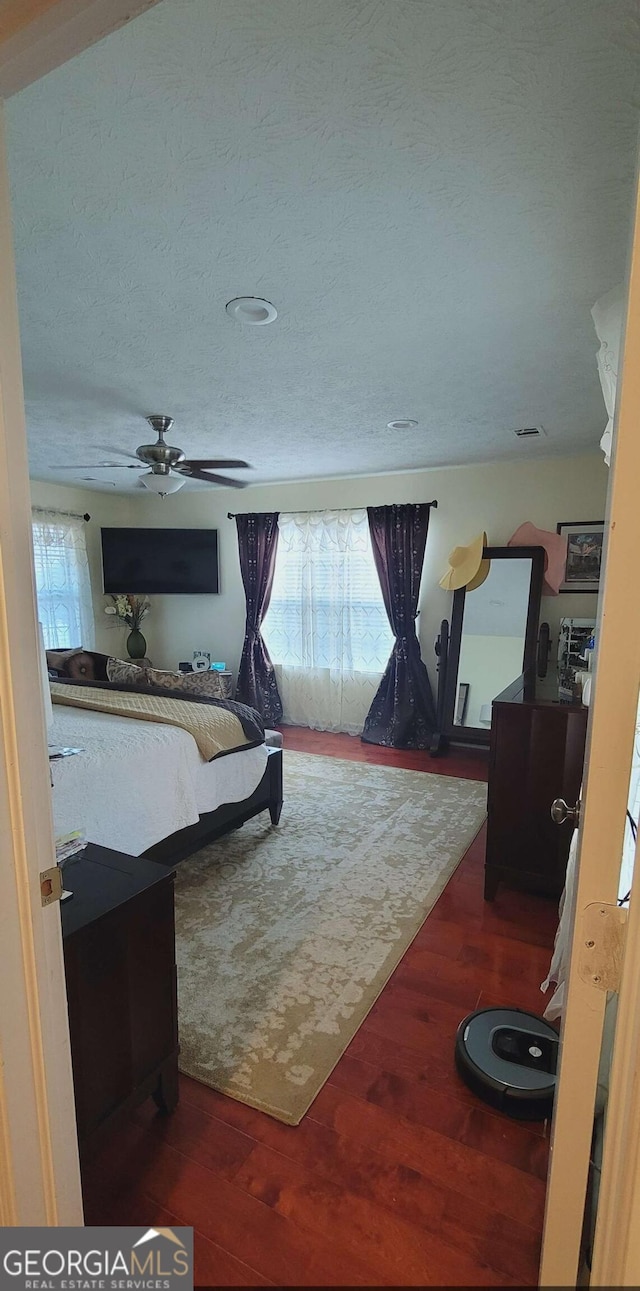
pixel 231 515
pixel 75 515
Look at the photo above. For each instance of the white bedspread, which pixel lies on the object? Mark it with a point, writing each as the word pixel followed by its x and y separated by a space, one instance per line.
pixel 137 782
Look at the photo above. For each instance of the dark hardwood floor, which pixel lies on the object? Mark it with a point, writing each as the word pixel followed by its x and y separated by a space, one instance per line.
pixel 397 1176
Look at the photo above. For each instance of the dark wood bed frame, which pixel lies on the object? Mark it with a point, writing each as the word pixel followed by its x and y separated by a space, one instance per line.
pixel 267 797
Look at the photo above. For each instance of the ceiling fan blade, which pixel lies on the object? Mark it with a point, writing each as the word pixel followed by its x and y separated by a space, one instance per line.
pixel 206 463
pixel 108 448
pixel 209 478
pixel 99 466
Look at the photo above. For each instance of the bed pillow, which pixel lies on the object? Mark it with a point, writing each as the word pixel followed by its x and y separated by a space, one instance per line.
pixel 78 664
pixel 87 665
pixel 123 673
pixel 208 683
pixel 57 660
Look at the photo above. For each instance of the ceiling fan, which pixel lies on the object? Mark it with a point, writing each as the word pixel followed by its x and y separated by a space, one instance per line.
pixel 168 467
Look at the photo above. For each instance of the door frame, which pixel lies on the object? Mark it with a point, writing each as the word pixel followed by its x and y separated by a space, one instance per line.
pixel 39 1174
pixel 37 36
pixel 616 1253
pixel 39 1168
pixel 610 736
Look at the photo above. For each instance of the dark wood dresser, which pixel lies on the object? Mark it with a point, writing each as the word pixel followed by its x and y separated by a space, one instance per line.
pixel 536 755
pixel 119 953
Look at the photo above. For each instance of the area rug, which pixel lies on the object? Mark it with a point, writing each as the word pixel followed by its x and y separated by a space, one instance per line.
pixel 286 937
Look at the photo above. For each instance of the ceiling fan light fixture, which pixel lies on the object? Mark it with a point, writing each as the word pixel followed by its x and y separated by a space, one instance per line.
pixel 163 484
pixel 252 310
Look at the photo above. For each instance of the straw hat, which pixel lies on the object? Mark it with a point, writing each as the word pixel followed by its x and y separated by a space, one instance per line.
pixel 555 546
pixel 466 566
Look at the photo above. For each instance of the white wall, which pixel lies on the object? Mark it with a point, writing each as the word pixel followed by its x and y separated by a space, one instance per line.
pixel 496 496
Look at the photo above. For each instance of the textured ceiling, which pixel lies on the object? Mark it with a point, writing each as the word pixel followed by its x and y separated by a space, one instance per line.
pixel 432 193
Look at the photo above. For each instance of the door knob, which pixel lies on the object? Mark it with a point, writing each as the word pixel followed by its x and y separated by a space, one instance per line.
pixel 561 813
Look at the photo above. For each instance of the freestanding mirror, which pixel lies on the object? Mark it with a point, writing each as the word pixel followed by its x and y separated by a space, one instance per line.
pixel 493 639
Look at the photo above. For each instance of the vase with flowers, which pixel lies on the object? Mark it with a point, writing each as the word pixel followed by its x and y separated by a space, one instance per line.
pixel 131 610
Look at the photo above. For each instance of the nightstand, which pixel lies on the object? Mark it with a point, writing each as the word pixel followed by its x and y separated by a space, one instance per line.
pixel 119 953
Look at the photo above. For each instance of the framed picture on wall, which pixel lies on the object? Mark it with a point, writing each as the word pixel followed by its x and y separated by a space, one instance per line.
pixel 585 540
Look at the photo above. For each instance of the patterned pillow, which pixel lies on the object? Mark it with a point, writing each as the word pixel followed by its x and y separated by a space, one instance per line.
pixel 163 677
pixel 208 683
pixel 124 673
pixel 57 660
pixel 87 665
pixel 78 664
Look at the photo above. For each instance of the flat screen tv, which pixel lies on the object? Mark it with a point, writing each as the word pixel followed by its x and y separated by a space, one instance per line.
pixel 160 560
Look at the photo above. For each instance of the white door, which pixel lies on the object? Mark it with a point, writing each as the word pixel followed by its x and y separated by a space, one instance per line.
pixel 609 752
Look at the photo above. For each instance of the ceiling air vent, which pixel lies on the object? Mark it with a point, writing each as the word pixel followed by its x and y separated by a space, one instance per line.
pixel 526 432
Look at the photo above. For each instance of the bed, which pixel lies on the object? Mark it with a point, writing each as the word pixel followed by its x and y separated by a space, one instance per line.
pixel 143 787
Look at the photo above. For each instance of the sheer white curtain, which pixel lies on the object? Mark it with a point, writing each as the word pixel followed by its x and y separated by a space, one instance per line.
pixel 608 320
pixel 326 629
pixel 63 586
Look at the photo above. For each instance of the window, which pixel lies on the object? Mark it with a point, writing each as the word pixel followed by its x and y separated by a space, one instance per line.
pixel 63 585
pixel 326 629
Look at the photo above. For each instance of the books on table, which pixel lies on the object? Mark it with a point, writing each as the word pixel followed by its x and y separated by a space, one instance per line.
pixel 69 844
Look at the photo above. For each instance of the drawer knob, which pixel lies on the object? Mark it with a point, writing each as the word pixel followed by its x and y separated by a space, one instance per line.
pixel 561 813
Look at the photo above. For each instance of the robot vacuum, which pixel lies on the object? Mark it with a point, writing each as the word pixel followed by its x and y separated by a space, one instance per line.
pixel 509 1059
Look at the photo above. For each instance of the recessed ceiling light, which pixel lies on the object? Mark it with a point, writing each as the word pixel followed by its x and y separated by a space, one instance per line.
pixel 402 424
pixel 252 310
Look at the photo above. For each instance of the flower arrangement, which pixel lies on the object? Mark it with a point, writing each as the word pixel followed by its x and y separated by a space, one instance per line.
pixel 130 610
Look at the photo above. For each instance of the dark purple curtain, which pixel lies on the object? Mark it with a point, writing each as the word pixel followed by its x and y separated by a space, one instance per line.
pixel 402 714
pixel 257 544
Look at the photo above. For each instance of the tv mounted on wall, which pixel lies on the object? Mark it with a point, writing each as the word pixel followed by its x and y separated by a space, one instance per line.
pixel 160 560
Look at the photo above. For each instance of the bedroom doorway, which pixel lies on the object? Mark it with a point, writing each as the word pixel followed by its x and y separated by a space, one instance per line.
pixel 39 1180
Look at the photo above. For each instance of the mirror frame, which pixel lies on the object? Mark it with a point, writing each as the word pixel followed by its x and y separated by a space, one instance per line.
pixel 480 734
